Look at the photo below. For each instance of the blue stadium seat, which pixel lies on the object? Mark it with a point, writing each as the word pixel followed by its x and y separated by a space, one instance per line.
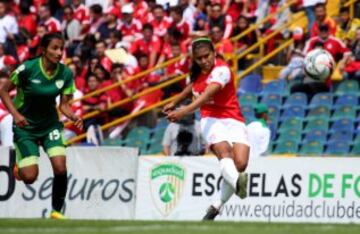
pixel 248 99
pixel 276 86
pixel 347 99
pixel 293 111
pixel 322 99
pixel 316 135
pixel 286 147
pixel 341 136
pixel 342 125
pixel 312 148
pixel 337 148
pixel 250 84
pixel 272 99
pixel 295 123
pixel 345 111
pixel 317 124
pixel 356 150
pixel 274 112
pixel 291 134
pixel 162 123
pixel 318 112
pixel 248 112
pixel 348 87
pixel 296 99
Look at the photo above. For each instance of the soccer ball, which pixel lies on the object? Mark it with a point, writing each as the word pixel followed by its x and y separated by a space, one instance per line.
pixel 319 64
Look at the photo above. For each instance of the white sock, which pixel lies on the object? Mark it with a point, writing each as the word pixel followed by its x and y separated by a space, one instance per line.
pixel 229 171
pixel 225 193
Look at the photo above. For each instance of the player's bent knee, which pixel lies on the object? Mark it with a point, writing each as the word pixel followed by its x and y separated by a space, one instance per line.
pixel 29 178
pixel 241 165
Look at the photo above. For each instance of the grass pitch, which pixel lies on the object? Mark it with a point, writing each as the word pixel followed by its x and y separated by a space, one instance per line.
pixel 45 226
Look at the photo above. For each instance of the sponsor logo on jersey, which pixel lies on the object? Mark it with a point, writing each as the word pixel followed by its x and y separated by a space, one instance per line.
pixel 59 84
pixel 167 185
pixel 36 81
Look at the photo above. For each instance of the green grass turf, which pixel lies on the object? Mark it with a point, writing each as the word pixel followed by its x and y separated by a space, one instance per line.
pixel 44 226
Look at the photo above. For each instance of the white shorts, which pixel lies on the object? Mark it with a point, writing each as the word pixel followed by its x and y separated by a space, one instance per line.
pixel 216 130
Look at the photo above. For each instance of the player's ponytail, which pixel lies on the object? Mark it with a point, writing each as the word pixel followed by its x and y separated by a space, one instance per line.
pixel 195 69
pixel 47 38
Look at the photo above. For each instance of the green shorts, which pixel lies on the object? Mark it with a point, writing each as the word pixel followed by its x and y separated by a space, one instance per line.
pixel 27 144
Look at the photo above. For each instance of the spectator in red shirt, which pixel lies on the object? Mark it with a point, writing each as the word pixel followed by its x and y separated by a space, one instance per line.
pixel 118 93
pixel 100 52
pixel 94 103
pixel 333 45
pixel 51 24
pixel 148 44
pixel 129 26
pixel 249 39
pixel 34 43
pixel 221 20
pixel 141 10
pixel 82 14
pixel 351 65
pixel 160 22
pixel 26 19
pixel 320 19
pixel 179 67
pixel 223 46
pixel 176 13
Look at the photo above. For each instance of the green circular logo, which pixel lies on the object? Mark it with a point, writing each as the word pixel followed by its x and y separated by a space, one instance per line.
pixel 166 192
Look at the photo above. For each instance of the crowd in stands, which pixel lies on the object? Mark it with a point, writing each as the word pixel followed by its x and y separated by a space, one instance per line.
pixel 149 32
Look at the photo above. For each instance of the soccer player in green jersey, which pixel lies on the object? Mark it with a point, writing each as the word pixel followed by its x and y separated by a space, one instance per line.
pixel 36 122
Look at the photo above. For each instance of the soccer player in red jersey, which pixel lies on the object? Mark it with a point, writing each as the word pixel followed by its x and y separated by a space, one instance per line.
pixel 222 123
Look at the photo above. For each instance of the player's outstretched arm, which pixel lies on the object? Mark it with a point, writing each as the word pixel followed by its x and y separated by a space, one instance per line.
pixel 65 109
pixel 5 86
pixel 180 97
pixel 209 92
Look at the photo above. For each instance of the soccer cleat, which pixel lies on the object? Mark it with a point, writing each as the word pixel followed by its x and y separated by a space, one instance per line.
pixel 211 213
pixel 16 172
pixel 241 185
pixel 56 215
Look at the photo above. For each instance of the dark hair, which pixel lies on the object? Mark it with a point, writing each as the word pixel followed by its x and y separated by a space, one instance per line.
pixel 96 8
pixel 158 6
pixel 106 73
pixel 24 7
pixel 47 38
pixel 177 9
pixel 148 26
pixel 116 34
pixel 320 5
pixel 344 10
pixel 195 69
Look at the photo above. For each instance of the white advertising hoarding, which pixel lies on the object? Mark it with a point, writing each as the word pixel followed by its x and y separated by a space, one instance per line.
pixel 279 190
pixel 101 185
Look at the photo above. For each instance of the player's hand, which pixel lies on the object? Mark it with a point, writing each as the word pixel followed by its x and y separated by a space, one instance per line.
pixel 78 122
pixel 168 107
pixel 20 121
pixel 175 115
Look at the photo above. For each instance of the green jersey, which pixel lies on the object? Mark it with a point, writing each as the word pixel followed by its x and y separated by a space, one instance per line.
pixel 37 91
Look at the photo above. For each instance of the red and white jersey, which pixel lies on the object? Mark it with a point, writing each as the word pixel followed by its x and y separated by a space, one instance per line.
pixel 3 111
pixel 160 28
pixel 333 45
pixel 225 47
pixel 132 29
pixel 82 14
pixel 184 28
pixel 52 25
pixel 223 104
pixel 141 11
pixel 140 45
